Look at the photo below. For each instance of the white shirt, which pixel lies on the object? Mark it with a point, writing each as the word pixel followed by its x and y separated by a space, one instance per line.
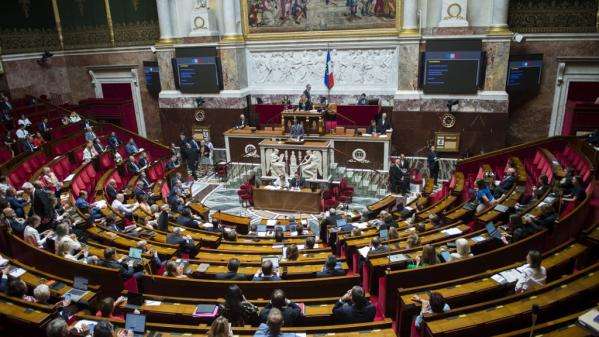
pixel 73 245
pixel 122 208
pixel 34 235
pixel 88 154
pixel 22 133
pixel 74 118
pixel 531 278
pixel 25 122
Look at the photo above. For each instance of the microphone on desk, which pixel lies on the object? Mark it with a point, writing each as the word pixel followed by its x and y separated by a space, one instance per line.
pixel 535 313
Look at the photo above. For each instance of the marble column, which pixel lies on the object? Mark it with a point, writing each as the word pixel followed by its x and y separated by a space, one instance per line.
pixel 231 29
pixel 499 16
pixel 164 19
pixel 410 17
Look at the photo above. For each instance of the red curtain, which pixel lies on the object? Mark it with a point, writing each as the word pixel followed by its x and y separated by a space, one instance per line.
pixel 120 96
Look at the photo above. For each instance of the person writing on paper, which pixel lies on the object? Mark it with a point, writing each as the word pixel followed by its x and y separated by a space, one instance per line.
pixel 292 313
pixel 353 307
pixel 533 275
pixel 266 273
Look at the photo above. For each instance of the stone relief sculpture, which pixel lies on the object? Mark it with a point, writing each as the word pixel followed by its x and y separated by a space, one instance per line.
pixel 367 68
pixel 275 163
pixel 312 165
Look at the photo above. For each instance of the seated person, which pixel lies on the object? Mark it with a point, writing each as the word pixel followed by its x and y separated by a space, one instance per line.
pixel 372 128
pixel 232 274
pixel 110 261
pixel 18 288
pixel 291 253
pixel 111 190
pixel 353 307
pixel 428 257
pixel 31 234
pixel 266 273
pixel 24 121
pixel 113 141
pixel 362 100
pixel 292 313
pixel 107 306
pixel 577 193
pixel 538 191
pixel 376 247
pixel 273 325
pixel 132 165
pixel 119 206
pixel 143 162
pixel 462 250
pixel 297 181
pixel 186 219
pixel 484 197
pixel 436 304
pixel 310 242
pixel 131 148
pixel 384 124
pixel 241 123
pixel 17 225
pixel 173 163
pixel 174 269
pixel 534 275
pixel 546 219
pixel 506 184
pixel 330 268
pixel 74 118
pixel 237 309
pixel 82 204
pixel 16 202
pixel 41 293
pixel 89 152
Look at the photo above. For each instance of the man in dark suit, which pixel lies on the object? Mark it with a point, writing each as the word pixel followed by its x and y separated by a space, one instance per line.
pixel 384 124
pixel 185 242
pixel 192 155
pixel 395 176
pixel 353 307
pixel 185 219
pixel 329 222
pixel 132 166
pixel 307 93
pixel 506 183
pixel 41 203
pixel 292 313
pixel 162 222
pixel 266 273
pixel 373 128
pixel 232 274
pixel 111 190
pixel 432 161
pixel 110 261
pixel 10 219
pixel 113 141
pixel 242 122
pixel 44 128
pixel 297 181
pixel 330 268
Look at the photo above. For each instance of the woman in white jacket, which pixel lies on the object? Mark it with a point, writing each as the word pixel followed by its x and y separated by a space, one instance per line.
pixel 533 274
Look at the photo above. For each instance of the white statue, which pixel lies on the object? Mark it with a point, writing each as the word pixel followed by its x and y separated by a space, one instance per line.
pixel 276 163
pixel 292 164
pixel 312 165
pixel 201 4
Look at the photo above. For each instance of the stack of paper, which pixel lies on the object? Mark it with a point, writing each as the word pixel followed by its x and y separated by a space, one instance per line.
pixel 360 225
pixel 271 222
pixel 452 231
pixel 364 251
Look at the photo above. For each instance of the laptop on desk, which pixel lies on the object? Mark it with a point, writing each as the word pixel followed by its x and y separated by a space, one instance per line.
pixel 135 253
pixel 79 289
pixel 136 323
pixel 493 231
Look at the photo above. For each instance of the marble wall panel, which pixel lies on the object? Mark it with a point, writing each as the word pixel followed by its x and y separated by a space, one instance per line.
pixel 498 55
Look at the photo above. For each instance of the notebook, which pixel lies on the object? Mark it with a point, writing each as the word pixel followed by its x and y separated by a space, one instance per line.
pixel 384 234
pixel 79 289
pixel 501 208
pixel 341 223
pixel 136 323
pixel 398 258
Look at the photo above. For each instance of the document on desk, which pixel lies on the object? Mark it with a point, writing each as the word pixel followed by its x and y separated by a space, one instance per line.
pixel 452 231
pixel 152 303
pixel 364 251
pixel 360 225
pixel 271 222
pixel 511 275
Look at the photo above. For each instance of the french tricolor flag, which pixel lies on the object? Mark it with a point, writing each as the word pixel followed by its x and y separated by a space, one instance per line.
pixel 329 78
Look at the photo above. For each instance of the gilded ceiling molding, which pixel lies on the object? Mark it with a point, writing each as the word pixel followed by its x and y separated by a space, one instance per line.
pixel 320 34
pixel 109 21
pixel 58 23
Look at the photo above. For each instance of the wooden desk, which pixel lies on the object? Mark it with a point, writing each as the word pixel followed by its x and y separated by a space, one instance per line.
pixel 313 122
pixel 286 200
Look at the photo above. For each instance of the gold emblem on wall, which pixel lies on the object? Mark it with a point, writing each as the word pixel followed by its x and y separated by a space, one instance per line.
pixel 25 7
